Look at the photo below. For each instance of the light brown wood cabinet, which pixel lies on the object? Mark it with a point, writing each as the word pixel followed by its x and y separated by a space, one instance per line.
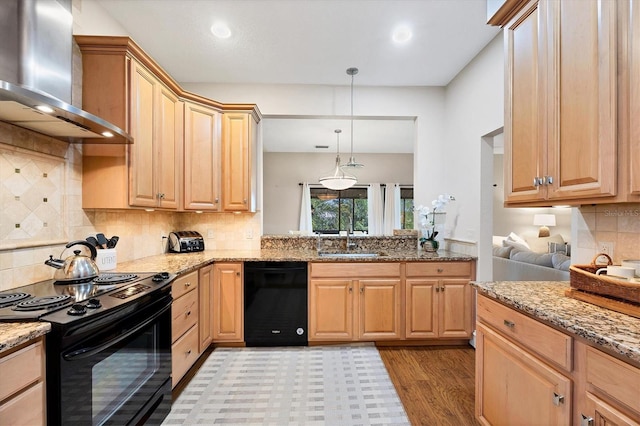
pixel 228 302
pixel 530 373
pixel 239 161
pixel 561 103
pixel 184 155
pixel 202 171
pixel 439 302
pixel 22 393
pixel 184 325
pixel 355 301
pixel 630 157
pixel 206 307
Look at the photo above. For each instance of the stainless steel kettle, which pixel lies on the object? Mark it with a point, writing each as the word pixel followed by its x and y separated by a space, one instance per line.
pixel 76 268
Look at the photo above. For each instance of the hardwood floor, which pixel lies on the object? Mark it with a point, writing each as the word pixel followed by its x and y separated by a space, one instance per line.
pixel 435 383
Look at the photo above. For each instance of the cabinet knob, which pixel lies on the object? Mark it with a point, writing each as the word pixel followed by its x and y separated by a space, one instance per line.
pixel 440 270
pixel 238 273
pixel 586 420
pixel 537 181
pixel 244 201
pixel 361 290
pixel 350 290
pixel 509 324
pixel 558 399
pixel 187 284
pixel 187 314
pixel 189 352
pixel 160 195
pixel 548 180
pixel 442 288
pixel 217 200
pixel 437 289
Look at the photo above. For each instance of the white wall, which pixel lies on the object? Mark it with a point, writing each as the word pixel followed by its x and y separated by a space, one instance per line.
pixel 284 171
pixel 474 107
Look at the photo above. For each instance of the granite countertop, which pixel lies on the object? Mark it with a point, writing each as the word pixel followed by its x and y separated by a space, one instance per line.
pixel 13 334
pixel 615 332
pixel 181 263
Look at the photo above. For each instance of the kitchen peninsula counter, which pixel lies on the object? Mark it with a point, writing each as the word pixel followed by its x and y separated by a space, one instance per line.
pixel 613 332
pixel 14 334
pixel 181 263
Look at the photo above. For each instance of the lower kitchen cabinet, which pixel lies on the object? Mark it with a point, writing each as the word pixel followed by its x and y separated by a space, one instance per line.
pixel 355 301
pixel 206 308
pixel 228 302
pixel 22 394
pixel 184 325
pixel 439 302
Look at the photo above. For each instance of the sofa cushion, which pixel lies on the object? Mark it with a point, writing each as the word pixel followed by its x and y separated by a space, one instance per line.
pixel 541 245
pixel 502 251
pixel 561 261
pixel 515 246
pixel 542 259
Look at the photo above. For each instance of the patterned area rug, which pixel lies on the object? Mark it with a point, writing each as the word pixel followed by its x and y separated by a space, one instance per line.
pixel 320 385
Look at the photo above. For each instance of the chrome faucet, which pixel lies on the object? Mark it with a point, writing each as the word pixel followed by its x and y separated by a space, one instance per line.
pixel 350 244
pixel 319 242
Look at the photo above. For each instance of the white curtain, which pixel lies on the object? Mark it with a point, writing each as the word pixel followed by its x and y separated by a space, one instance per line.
pixel 375 213
pixel 306 227
pixel 391 208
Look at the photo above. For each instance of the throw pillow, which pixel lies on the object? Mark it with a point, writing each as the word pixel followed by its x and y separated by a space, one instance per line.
pixel 515 246
pixel 561 261
pixel 502 251
pixel 513 237
pixel 541 245
pixel 542 259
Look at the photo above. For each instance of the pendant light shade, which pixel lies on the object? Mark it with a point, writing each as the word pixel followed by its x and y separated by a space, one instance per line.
pixel 338 180
pixel 353 164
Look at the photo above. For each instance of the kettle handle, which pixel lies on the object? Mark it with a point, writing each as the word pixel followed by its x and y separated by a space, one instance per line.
pixel 93 250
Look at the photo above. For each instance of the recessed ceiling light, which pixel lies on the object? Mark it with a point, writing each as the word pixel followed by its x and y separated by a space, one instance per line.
pixel 44 108
pixel 220 30
pixel 402 34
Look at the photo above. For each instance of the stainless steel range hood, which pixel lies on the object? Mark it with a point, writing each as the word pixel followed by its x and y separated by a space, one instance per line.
pixel 35 74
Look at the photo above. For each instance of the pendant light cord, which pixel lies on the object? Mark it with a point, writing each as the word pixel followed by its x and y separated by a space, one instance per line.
pixel 351 116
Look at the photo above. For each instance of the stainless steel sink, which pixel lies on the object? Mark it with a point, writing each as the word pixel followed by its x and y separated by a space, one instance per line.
pixel 348 254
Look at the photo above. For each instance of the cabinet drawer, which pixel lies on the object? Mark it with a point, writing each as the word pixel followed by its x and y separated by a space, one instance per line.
pixel 184 283
pixel 26 408
pixel 555 346
pixel 184 314
pixel 20 369
pixel 184 353
pixel 355 270
pixel 438 269
pixel 614 377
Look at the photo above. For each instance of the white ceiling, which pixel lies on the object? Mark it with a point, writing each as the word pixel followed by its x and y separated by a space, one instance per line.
pixel 310 42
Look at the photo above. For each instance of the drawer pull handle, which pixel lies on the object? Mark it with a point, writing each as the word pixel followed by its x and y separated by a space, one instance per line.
pixel 189 352
pixel 509 324
pixel 350 289
pixel 437 289
pixel 442 288
pixel 361 290
pixel 586 420
pixel 187 314
pixel 187 284
pixel 440 270
pixel 558 399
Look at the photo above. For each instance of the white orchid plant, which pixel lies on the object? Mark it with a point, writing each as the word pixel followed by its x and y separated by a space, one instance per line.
pixel 428 215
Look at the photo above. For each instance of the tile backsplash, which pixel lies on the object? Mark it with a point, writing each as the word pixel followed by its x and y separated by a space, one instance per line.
pixel 49 214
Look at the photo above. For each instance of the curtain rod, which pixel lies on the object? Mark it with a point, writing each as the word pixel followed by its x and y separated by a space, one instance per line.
pixel 356 185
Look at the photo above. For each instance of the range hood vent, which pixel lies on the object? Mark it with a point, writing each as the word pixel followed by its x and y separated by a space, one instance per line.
pixel 35 74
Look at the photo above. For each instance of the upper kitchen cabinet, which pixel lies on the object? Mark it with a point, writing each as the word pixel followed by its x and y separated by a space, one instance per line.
pixel 202 134
pixel 176 159
pixel 561 103
pixel 239 165
pixel 632 64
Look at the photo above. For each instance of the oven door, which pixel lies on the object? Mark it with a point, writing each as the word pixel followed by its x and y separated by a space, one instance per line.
pixel 117 371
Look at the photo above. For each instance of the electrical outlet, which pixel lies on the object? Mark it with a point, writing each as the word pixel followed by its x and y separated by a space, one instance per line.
pixel 248 234
pixel 606 247
pixel 209 233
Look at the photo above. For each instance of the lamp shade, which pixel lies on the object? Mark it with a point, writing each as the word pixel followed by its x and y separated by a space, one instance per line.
pixel 544 219
pixel 339 180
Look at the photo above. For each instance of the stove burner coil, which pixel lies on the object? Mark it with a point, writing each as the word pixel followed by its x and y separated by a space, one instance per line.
pixel 45 302
pixel 12 298
pixel 114 278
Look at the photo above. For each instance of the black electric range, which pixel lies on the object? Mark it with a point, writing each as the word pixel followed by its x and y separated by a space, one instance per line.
pixel 64 302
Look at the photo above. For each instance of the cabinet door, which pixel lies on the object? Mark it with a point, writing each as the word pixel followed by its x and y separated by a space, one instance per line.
pixel 143 150
pixel 525 138
pixel 602 414
pixel 454 309
pixel 169 138
pixel 205 312
pixel 515 388
pixel 201 158
pixel 237 161
pixel 634 93
pixel 421 312
pixel 331 309
pixel 228 302
pixel 582 99
pixel 379 309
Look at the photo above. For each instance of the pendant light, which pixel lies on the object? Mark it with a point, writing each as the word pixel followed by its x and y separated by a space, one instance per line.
pixel 352 160
pixel 339 179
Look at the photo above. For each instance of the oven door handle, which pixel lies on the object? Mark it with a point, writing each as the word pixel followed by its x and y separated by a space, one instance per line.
pixel 88 352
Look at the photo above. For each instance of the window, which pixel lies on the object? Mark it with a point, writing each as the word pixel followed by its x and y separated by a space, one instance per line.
pixel 331 210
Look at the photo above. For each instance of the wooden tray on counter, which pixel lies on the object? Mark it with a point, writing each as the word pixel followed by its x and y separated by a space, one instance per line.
pixel 631 309
pixel 583 277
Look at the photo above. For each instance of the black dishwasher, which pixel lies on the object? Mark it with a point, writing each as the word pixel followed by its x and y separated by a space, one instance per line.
pixel 275 303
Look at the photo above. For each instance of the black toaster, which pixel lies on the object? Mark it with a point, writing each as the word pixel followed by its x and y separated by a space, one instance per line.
pixel 185 241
